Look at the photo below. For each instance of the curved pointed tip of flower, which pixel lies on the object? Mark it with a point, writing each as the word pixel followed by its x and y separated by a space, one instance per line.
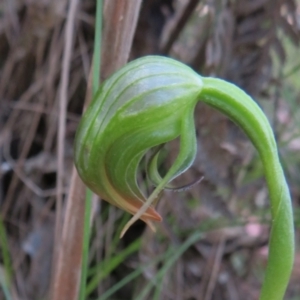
pixel 150 215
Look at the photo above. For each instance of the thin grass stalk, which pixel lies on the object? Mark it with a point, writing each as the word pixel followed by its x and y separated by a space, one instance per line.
pixel 89 194
pixel 97 47
pixel 66 275
pixel 291 72
pixel 86 242
pixel 63 102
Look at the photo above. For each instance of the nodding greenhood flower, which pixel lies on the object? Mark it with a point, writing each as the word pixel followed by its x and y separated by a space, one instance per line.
pixel 151 101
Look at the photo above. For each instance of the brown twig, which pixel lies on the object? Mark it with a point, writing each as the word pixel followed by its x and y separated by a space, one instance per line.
pixel 120 19
pixel 215 269
pixel 62 291
pixel 63 96
pixel 176 25
pixel 27 144
pixel 68 265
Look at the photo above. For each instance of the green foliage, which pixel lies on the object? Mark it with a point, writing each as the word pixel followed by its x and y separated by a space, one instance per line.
pixel 6 272
pixel 88 200
pixel 150 102
pixel 107 266
pixel 169 258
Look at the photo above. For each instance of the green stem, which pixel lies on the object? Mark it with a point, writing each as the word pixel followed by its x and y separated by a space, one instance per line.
pixel 292 71
pixel 232 101
pixel 88 199
pixel 86 242
pixel 97 47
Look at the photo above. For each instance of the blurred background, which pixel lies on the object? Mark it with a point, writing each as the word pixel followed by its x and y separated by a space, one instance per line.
pixel 252 43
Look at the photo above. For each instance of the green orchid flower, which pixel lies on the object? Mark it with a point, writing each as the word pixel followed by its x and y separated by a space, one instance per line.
pixel 150 102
